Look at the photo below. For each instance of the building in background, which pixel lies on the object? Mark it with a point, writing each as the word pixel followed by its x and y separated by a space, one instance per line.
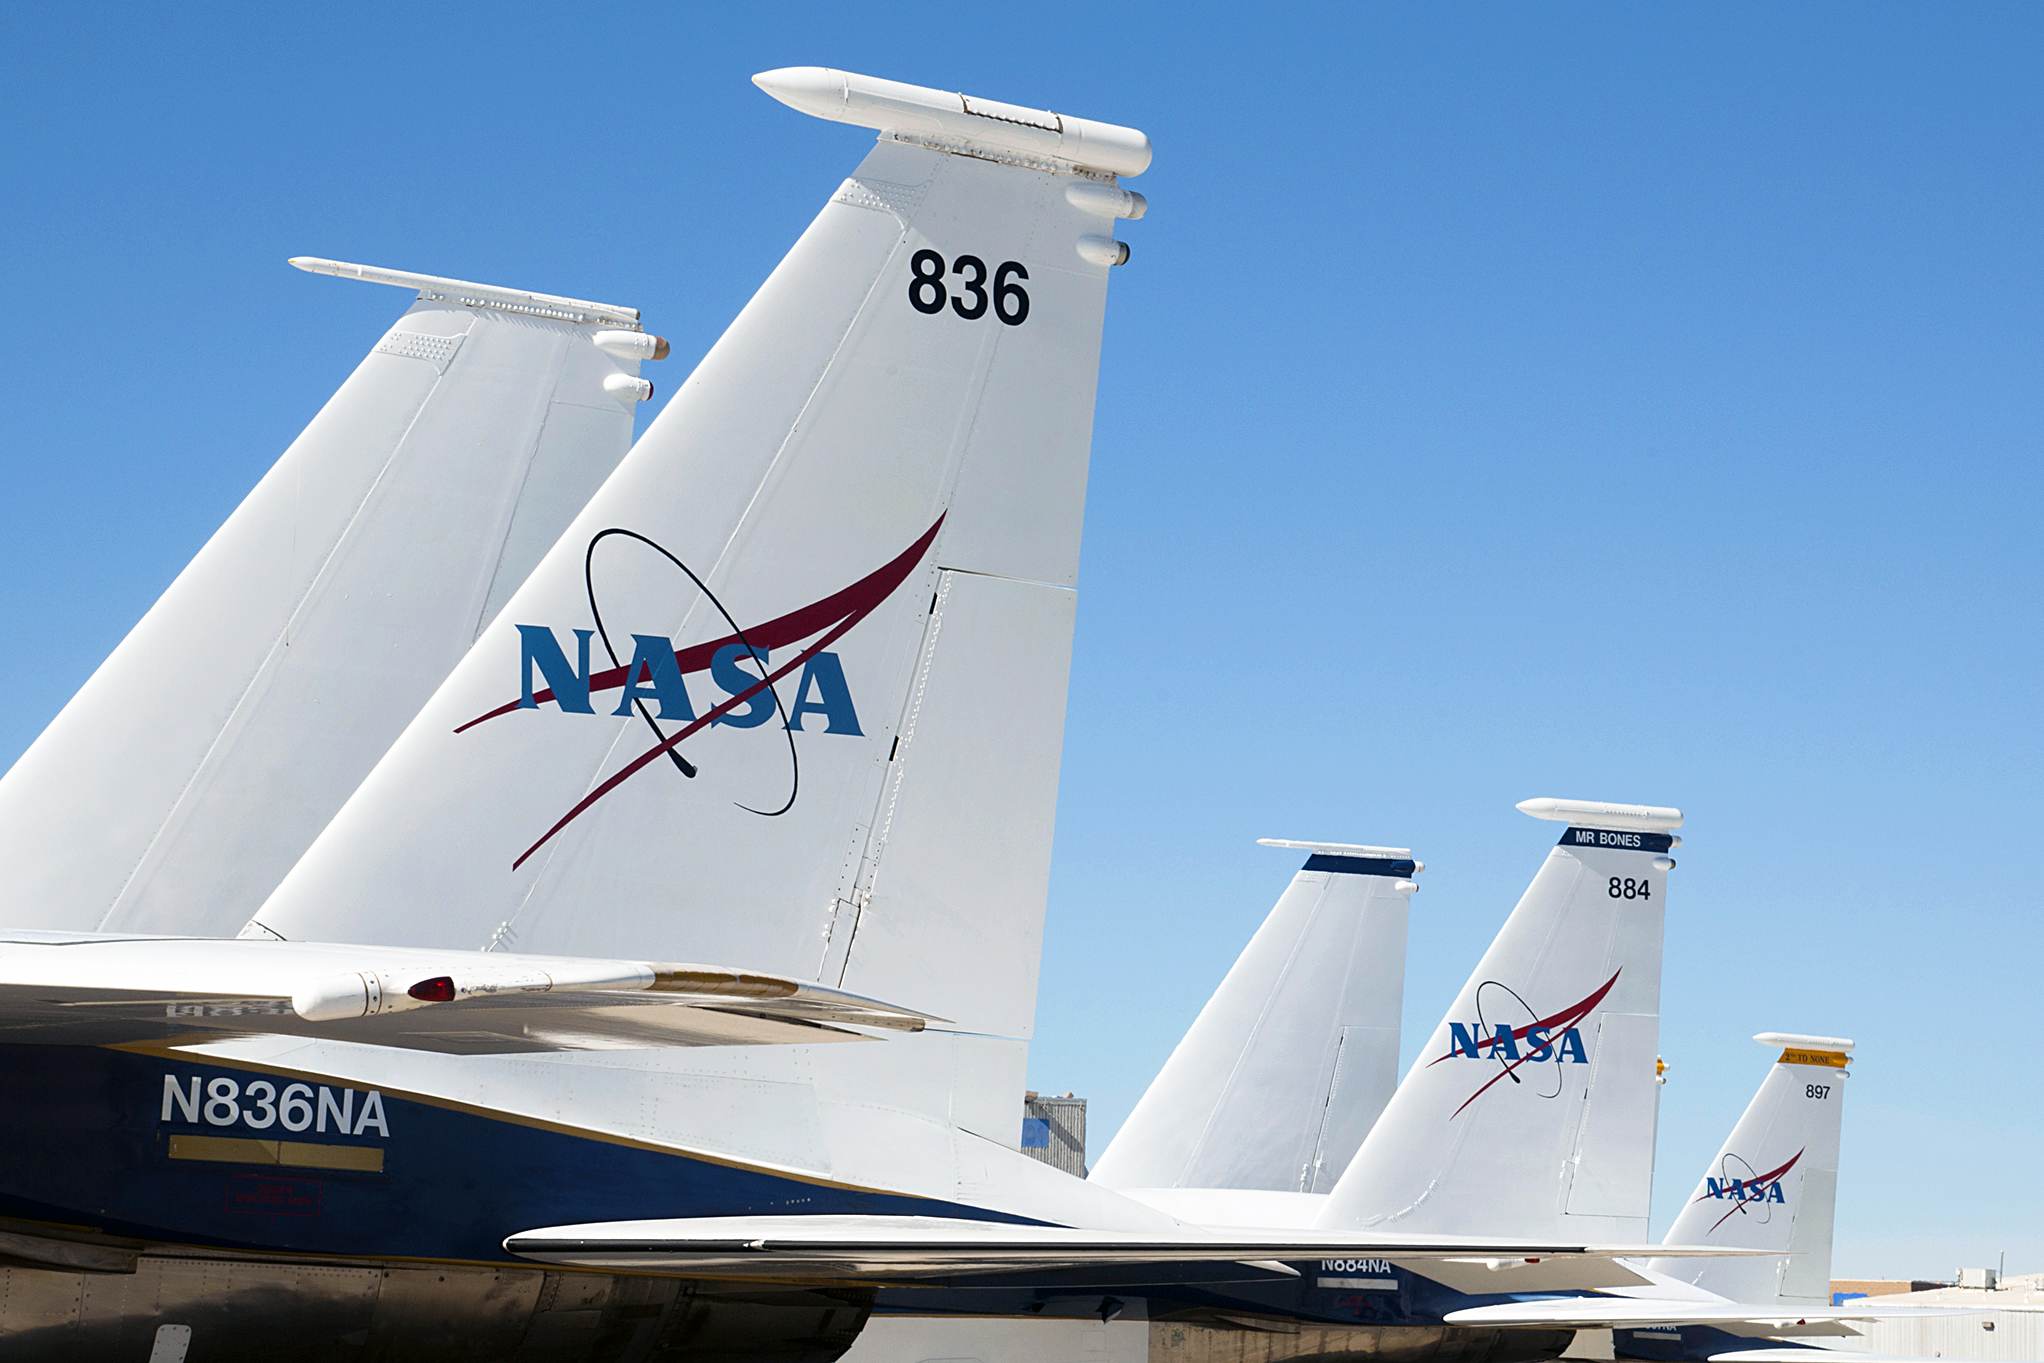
pixel 1844 1290
pixel 1054 1131
pixel 2012 1326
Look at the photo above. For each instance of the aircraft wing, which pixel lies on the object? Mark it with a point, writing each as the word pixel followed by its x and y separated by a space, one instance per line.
pixel 917 1248
pixel 96 989
pixel 1587 1313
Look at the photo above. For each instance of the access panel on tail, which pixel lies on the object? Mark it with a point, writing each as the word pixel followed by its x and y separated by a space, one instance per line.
pixel 183 780
pixel 1774 1184
pixel 1531 1108
pixel 792 685
pixel 1296 1053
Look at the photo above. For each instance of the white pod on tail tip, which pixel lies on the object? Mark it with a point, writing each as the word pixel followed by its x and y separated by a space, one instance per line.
pixel 438 288
pixel 628 388
pixel 891 106
pixel 1596 814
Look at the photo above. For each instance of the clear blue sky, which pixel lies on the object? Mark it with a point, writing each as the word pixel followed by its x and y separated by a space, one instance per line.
pixel 1618 402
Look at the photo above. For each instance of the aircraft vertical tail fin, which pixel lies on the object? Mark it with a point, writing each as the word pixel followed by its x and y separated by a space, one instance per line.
pixel 1774 1184
pixel 790 691
pixel 177 787
pixel 1531 1109
pixel 1296 1053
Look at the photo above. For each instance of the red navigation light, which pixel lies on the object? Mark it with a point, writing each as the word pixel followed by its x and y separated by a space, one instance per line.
pixel 439 989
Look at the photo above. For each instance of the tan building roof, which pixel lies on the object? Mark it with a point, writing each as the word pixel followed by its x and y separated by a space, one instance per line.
pixel 1882 1287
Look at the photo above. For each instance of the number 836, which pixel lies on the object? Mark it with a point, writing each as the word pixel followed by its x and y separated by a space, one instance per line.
pixel 928 294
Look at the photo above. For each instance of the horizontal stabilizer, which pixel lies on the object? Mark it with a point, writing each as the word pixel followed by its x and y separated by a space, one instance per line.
pixel 79 989
pixel 1588 1313
pixel 911 1248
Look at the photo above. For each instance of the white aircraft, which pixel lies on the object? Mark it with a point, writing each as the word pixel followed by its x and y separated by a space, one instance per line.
pixel 178 786
pixel 1553 1018
pixel 1258 1099
pixel 832 590
pixel 1771 1188
pixel 1782 1204
pixel 1769 1192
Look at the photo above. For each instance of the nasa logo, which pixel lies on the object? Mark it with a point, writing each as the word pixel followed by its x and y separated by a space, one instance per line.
pixel 1741 1191
pixel 654 682
pixel 655 676
pixel 1470 1041
pixel 1552 1039
pixel 1748 1192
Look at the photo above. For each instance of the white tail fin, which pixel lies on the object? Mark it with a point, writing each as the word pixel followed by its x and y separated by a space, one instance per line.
pixel 870 489
pixel 192 769
pixel 1774 1185
pixel 1530 1111
pixel 1296 1053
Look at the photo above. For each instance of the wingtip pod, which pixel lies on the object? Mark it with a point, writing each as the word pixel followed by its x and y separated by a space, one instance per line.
pixel 1599 814
pixel 892 106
